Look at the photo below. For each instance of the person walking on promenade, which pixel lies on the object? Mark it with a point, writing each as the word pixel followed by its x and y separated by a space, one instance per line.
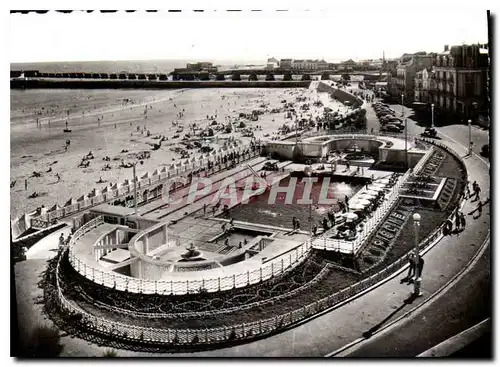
pixel 411 269
pixel 204 208
pixel 467 191
pixel 457 220
pixel 294 223
pixel 297 223
pixel 477 190
pixel 61 241
pixel 462 220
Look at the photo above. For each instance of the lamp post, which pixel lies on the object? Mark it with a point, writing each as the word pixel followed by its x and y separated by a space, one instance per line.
pixel 418 278
pixel 310 208
pixel 402 104
pixel 470 138
pixel 135 189
pixel 406 142
pixel 432 121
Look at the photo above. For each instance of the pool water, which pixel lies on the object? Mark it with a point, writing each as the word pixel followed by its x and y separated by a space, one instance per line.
pixel 280 214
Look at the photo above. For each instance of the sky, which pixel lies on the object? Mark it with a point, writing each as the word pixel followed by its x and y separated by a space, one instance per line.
pixel 334 35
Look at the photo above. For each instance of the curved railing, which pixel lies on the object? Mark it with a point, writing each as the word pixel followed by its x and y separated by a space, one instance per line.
pixel 114 280
pixel 250 330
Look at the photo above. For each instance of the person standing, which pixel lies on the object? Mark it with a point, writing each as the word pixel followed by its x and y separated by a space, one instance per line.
pixel 411 269
pixel 462 221
pixel 457 220
pixel 26 185
pixel 477 190
pixel 61 241
pixel 204 208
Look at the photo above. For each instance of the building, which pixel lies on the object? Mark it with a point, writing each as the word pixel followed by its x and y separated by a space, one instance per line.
pixel 201 66
pixel 461 80
pixel 425 83
pixel 286 64
pixel 309 64
pixel 272 63
pixel 348 65
pixel 402 80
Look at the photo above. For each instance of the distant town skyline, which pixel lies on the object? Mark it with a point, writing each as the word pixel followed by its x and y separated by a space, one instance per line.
pixel 240 37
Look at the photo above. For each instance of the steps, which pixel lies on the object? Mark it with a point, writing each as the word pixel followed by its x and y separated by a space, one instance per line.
pixel 447 193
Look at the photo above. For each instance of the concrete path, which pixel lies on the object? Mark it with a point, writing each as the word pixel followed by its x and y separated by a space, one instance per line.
pixel 465 304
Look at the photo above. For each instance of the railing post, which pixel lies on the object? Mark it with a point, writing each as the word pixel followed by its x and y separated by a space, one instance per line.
pixel 218 281
pixel 248 277
pixel 234 280
pixel 260 271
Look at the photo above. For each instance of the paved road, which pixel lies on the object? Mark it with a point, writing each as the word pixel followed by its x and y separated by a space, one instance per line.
pixel 465 304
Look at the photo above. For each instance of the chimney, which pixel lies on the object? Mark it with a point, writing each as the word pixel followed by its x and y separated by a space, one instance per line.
pixel 446 47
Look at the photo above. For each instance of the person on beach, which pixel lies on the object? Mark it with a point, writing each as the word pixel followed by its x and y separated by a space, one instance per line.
pixel 58 177
pixel 26 185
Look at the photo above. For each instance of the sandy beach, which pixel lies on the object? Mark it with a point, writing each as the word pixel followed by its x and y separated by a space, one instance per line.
pixel 107 122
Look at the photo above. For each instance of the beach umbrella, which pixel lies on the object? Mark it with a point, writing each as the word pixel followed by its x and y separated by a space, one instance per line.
pixel 382 181
pixel 350 216
pixel 356 206
pixel 193 159
pixel 105 190
pixel 163 170
pixel 366 196
pixel 363 202
pixel 115 186
pixel 371 192
pixel 375 188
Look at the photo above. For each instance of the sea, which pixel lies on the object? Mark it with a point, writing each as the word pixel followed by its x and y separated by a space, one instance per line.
pixel 137 66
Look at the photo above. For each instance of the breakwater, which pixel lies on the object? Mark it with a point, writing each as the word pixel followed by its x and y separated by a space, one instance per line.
pixel 37 83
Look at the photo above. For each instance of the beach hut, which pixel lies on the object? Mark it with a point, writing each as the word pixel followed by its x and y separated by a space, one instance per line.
pixel 94 193
pixel 105 190
pixel 54 208
pixel 70 202
pixel 82 198
pixel 156 172
pixel 146 175
pixel 163 170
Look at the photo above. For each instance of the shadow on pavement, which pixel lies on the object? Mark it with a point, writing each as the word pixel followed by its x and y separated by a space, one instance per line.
pixel 368 334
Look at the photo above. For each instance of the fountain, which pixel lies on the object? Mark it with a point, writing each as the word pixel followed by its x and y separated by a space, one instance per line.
pixel 192 254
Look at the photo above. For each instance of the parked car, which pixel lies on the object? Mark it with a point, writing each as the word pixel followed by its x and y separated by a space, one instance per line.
pixel 392 128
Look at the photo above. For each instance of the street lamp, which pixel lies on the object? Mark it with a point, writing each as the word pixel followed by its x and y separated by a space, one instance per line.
pixel 418 278
pixel 402 104
pixel 406 142
pixel 432 121
pixel 135 188
pixel 470 138
pixel 310 208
